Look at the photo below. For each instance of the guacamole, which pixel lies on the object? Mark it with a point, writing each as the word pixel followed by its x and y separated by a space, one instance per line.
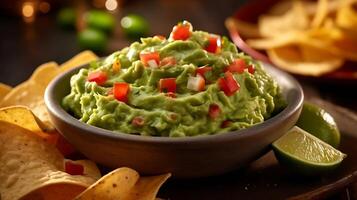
pixel 192 83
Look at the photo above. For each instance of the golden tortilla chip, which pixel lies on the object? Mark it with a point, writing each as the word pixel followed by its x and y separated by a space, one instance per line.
pixel 295 19
pixel 346 16
pixel 273 42
pixel 80 59
pixel 304 60
pixel 245 29
pixel 321 13
pixel 30 93
pixel 125 184
pixel 4 90
pixel 22 116
pixel 32 168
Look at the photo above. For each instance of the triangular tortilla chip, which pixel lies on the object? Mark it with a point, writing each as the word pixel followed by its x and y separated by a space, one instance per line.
pixel 28 165
pixel 125 184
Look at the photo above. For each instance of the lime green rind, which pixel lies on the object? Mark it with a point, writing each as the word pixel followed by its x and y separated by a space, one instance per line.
pixel 319 123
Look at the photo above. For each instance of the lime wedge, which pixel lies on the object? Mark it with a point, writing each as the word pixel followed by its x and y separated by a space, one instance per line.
pixel 305 153
pixel 319 123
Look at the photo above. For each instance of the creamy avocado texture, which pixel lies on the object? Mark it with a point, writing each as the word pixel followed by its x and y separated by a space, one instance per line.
pixel 158 87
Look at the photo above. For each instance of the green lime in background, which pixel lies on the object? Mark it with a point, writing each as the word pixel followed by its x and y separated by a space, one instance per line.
pixel 92 39
pixel 66 18
pixel 134 26
pixel 100 20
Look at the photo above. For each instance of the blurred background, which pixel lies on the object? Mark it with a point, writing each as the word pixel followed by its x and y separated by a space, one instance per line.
pixel 36 31
pixel 33 32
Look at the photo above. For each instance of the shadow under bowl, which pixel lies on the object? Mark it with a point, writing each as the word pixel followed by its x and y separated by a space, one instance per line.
pixel 187 157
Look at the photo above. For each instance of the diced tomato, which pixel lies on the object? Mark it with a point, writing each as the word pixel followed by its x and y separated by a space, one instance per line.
pixel 196 83
pixel 161 37
pixel 98 76
pixel 167 85
pixel 181 31
pixel 225 124
pixel 64 146
pixel 73 168
pixel 202 70
pixel 238 65
pixel 151 59
pixel 138 121
pixel 232 84
pixel 214 44
pixel 168 61
pixel 120 91
pixel 214 111
pixel 228 84
pixel 251 69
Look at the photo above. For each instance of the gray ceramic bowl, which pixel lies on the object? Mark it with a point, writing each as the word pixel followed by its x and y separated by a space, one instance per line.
pixel 187 157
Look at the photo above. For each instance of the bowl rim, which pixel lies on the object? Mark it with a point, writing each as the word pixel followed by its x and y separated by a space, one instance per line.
pixel 56 109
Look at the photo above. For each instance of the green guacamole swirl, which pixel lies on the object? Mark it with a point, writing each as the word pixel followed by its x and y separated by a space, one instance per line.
pixel 187 114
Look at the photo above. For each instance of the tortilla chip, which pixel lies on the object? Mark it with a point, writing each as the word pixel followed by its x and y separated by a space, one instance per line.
pixel 21 116
pixel 347 16
pixel 245 29
pixel 304 60
pixel 125 184
pixel 43 74
pixel 273 42
pixel 78 60
pixel 30 93
pixel 295 19
pixel 31 168
pixel 4 90
pixel 321 13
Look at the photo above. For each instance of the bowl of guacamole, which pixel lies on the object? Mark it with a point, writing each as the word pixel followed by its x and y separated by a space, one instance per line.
pixel 191 101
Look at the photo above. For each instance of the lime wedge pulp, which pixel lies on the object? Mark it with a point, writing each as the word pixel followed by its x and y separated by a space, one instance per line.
pixel 305 153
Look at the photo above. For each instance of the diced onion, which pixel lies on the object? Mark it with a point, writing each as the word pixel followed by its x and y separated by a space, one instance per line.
pixel 152 64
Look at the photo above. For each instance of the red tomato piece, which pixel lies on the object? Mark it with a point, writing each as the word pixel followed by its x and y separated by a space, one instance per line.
pixel 98 76
pixel 138 121
pixel 228 84
pixel 120 91
pixel 168 61
pixel 202 70
pixel 73 168
pixel 214 111
pixel 238 65
pixel 151 59
pixel 251 69
pixel 167 85
pixel 181 31
pixel 232 84
pixel 214 44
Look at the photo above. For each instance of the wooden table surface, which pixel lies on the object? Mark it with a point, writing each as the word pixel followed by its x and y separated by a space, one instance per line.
pixel 25 46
